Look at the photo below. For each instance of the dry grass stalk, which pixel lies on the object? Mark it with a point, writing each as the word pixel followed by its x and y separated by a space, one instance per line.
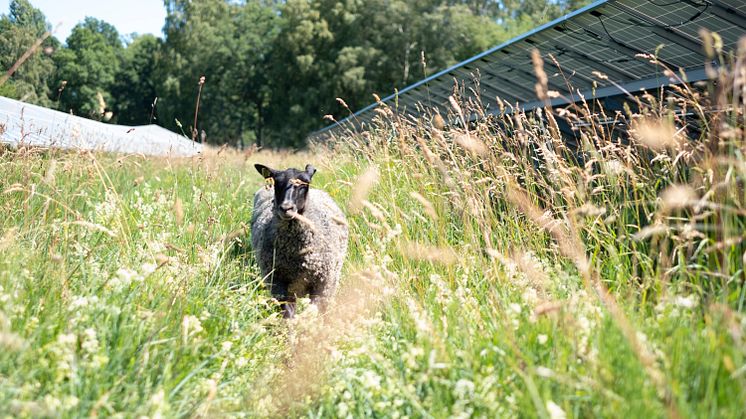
pixel 471 143
pixel 8 238
pixel 571 246
pixel 678 197
pixel 537 278
pixel 541 75
pixel 362 188
pixel 428 253
pixel 375 211
pixel 200 84
pixel 438 122
pixel 95 227
pixel 339 220
pixel 178 211
pixel 314 340
pixel 427 205
pixel 16 187
pixel 547 308
pixel 656 133
pixel 310 224
pixel 50 172
pixel 456 107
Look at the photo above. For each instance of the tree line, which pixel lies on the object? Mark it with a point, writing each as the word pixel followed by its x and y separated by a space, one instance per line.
pixel 267 72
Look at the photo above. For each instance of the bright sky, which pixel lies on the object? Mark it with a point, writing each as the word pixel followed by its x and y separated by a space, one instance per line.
pixel 128 16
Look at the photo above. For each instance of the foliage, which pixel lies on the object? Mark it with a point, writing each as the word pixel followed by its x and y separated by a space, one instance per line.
pixel 264 62
pixel 18 31
pixel 88 65
pixel 349 50
pixel 135 87
pixel 229 44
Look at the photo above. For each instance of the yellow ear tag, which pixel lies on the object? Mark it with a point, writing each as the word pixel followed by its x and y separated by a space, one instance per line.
pixel 269 183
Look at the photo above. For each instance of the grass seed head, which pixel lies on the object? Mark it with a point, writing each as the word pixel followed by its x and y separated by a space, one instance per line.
pixel 178 211
pixel 427 205
pixel 362 188
pixel 472 144
pixel 678 197
pixel 655 133
pixel 428 253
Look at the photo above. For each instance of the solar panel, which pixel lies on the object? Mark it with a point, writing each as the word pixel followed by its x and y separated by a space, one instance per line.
pixel 605 37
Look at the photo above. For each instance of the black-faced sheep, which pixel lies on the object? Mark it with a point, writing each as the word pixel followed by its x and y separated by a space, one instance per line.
pixel 299 236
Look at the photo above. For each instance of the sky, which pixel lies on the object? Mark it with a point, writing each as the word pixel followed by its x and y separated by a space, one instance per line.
pixel 128 16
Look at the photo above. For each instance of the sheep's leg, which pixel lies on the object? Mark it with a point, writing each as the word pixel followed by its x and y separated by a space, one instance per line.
pixel 288 307
pixel 287 303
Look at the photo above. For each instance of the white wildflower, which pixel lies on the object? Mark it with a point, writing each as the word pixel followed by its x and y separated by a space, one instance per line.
pixel 81 302
pixel 392 233
pixel 90 341
pixel 370 380
pixel 190 325
pixel 686 302
pixel 148 268
pixel 99 361
pixel 66 339
pixel 530 295
pixel 123 278
pixel 555 412
pixel 342 409
pixel 420 321
pixel 584 324
pixel 510 399
pixel 158 404
pixel 542 339
pixel 69 402
pixel 463 388
pixel 52 403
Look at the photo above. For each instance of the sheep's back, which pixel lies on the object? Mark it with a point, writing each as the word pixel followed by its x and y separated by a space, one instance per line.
pixel 328 220
pixel 329 242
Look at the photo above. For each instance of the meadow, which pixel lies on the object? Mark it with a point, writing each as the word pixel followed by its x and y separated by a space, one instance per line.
pixel 494 270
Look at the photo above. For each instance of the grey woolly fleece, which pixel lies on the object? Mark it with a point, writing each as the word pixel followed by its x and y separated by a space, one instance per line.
pixel 296 259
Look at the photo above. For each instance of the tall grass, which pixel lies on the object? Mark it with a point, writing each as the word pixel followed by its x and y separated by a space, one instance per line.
pixel 546 277
pixel 494 270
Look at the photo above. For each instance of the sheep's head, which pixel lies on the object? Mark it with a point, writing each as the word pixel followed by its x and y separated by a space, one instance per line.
pixel 291 189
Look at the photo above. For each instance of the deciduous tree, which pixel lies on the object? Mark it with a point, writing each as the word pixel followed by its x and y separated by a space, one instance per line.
pixel 19 30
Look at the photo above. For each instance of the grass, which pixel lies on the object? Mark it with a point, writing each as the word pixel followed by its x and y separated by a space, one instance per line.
pixel 494 271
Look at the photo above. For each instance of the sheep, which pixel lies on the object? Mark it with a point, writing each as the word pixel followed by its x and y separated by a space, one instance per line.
pixel 299 236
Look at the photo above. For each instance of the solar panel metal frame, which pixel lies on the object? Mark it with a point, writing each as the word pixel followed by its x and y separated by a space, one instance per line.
pixel 606 37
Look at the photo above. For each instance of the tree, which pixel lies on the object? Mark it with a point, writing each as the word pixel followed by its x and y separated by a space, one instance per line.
pixel 229 44
pixel 88 65
pixel 249 78
pixel 135 90
pixel 19 30
pixel 273 68
pixel 349 50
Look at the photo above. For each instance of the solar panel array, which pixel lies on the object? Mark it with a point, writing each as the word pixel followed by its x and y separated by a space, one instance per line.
pixel 608 37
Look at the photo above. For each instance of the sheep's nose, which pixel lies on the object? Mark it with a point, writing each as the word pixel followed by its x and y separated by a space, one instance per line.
pixel 286 206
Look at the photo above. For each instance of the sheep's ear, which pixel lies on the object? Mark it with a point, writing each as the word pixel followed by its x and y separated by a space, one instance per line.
pixel 310 170
pixel 265 171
